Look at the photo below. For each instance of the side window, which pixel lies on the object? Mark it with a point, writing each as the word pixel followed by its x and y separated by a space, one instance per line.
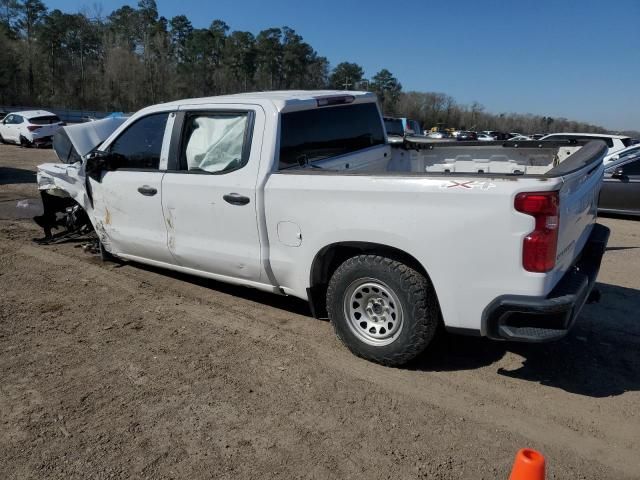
pixel 631 168
pixel 140 144
pixel 215 142
pixel 16 120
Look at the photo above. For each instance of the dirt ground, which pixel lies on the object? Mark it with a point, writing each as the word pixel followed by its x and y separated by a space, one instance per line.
pixel 125 371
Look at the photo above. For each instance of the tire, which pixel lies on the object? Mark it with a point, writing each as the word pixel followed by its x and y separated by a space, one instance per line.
pixel 382 310
pixel 24 143
pixel 105 256
pixel 2 140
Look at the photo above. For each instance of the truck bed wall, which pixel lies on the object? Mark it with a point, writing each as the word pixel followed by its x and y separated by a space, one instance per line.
pixel 453 158
pixel 457 229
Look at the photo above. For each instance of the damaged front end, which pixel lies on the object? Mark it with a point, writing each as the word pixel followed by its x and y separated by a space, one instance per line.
pixel 63 186
pixel 64 202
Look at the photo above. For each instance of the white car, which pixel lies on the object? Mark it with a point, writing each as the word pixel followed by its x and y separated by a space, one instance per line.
pixel 615 143
pixel 622 153
pixel 30 128
pixel 285 192
pixel 485 137
pixel 520 138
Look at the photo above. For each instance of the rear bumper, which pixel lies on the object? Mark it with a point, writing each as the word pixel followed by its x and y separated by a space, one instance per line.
pixel 540 319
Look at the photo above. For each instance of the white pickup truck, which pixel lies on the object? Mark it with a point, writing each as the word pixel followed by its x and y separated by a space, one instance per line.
pixel 299 193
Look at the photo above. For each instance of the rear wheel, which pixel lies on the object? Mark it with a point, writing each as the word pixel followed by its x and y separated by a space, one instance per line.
pixel 24 142
pixel 382 309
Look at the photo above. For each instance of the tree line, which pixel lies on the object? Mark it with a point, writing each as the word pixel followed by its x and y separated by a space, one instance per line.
pixel 134 57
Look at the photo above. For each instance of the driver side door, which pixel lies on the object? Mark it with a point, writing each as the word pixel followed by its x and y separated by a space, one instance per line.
pixel 127 200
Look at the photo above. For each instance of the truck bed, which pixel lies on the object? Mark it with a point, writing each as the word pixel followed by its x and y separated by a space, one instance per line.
pixel 424 156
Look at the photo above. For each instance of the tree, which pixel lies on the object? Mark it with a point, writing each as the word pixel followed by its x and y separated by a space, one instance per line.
pixel 345 76
pixel 31 14
pixel 269 58
pixel 240 55
pixel 181 30
pixel 387 88
pixel 9 13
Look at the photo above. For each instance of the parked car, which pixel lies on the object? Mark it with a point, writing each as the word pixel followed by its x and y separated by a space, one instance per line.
pixel 615 143
pixel 30 128
pixel 467 136
pixel 439 135
pixel 485 137
pixel 272 190
pixel 394 126
pixel 520 138
pixel 620 192
pixel 496 135
pixel 624 152
pixel 403 124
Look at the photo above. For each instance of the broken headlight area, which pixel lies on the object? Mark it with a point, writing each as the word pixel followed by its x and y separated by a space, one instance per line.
pixel 64 215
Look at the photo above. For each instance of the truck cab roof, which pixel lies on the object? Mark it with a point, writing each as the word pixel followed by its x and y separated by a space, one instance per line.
pixel 282 101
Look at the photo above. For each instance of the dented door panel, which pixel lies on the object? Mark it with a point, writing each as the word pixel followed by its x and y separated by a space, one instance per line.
pixel 128 221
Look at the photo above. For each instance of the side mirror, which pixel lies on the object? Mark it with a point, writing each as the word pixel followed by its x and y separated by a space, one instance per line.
pixel 618 173
pixel 99 161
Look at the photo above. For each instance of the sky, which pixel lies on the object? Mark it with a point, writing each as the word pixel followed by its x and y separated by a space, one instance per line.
pixel 563 58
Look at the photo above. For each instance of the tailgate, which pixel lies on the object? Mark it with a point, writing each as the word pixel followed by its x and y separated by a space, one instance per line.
pixel 47 130
pixel 578 213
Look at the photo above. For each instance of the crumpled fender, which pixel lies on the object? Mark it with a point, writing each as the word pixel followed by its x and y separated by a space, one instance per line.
pixel 63 179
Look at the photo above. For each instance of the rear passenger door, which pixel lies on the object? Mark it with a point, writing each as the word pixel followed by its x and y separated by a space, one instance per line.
pixel 209 196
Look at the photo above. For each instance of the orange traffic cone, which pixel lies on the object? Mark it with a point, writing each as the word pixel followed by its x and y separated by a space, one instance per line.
pixel 528 465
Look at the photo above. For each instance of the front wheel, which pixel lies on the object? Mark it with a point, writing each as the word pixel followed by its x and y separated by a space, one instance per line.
pixel 382 309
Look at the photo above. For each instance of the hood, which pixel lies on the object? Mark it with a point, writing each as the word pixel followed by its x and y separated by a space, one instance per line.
pixel 73 142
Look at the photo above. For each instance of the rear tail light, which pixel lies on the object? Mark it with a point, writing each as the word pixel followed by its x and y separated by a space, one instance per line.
pixel 33 128
pixel 539 247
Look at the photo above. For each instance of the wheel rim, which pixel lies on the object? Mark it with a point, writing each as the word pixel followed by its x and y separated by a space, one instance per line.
pixel 373 311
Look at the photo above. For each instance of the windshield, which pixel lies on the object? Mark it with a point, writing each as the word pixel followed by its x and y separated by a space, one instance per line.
pixel 394 126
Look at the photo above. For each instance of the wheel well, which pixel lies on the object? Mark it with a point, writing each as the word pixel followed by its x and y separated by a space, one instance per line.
pixel 332 256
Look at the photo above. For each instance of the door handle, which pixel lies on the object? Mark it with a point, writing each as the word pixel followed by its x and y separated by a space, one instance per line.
pixel 236 199
pixel 147 191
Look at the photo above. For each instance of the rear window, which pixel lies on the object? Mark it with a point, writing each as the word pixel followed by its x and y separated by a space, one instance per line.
pixel 321 133
pixel 45 120
pixel 627 142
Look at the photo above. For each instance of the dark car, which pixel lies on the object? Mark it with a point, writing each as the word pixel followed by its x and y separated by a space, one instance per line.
pixel 467 136
pixel 620 191
pixel 394 126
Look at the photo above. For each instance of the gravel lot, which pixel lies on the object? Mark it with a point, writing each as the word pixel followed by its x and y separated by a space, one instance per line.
pixel 125 371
